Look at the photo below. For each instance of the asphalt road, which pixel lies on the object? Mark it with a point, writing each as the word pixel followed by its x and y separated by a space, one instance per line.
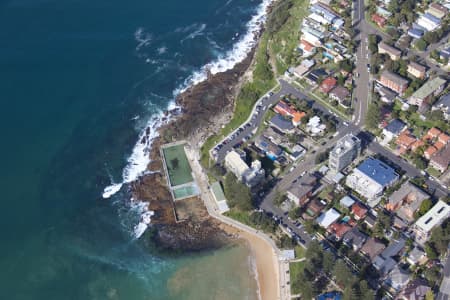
pixel 444 290
pixel 361 102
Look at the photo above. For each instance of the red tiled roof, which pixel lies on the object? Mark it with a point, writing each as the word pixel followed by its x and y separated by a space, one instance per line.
pixel 379 20
pixel 359 210
pixel 328 84
pixel 307 46
pixel 444 138
pixel 405 139
pixel 339 229
pixel 434 132
pixel 430 151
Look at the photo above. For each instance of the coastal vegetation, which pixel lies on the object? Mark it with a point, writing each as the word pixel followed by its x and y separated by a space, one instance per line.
pixel 313 276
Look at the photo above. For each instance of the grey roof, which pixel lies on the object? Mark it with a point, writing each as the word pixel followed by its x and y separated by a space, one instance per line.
pixel 266 145
pixel 378 171
pixel 373 247
pixel 398 277
pixel 340 92
pixel 415 254
pixel 410 197
pixel 444 101
pixel 355 238
pixel 416 289
pixel 347 201
pixel 395 126
pixel 394 248
pixel 384 266
pixel 303 186
pixel 281 122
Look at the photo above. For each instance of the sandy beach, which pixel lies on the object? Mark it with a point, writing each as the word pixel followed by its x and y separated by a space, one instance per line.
pixel 266 262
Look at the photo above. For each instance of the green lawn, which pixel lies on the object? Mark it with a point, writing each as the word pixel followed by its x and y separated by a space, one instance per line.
pixel 295 269
pixel 177 165
pixel 299 252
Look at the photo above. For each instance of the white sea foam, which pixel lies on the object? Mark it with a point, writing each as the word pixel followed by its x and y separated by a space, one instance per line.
pixel 139 158
pixel 234 56
pixel 197 32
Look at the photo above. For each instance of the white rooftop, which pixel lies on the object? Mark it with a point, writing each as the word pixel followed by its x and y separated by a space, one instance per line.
pixel 329 217
pixel 434 216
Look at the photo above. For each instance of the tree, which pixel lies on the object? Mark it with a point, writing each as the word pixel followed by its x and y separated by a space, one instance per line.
pixel 328 262
pixel 238 195
pixel 278 16
pixel 429 295
pixel 420 162
pixel 346 65
pixel 424 207
pixel 373 43
pixel 421 44
pixel 365 292
pixel 321 157
pixel 433 275
pixel 373 115
pixel 342 273
pixel 295 213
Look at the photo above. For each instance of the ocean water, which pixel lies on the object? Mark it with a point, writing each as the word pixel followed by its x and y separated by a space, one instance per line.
pixel 79 81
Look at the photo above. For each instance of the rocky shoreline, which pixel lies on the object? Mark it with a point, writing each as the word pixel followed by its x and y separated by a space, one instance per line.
pixel 203 109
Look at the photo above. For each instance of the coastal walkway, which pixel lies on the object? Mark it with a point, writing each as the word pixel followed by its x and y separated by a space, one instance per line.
pixel 280 267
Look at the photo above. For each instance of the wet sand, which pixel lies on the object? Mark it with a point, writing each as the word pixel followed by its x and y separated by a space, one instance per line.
pixel 267 265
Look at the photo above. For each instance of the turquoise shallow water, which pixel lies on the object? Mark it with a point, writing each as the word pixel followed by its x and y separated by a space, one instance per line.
pixel 78 81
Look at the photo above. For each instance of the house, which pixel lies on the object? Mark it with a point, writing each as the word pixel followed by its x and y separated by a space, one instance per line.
pixel 270 149
pixel 287 110
pixel 315 126
pixel 339 94
pixel 347 202
pixel 307 48
pixel 414 290
pixel 315 75
pixel 303 68
pixel 444 53
pixel 406 201
pixel 250 176
pixel 405 141
pixel 437 10
pixel 432 134
pixel 371 177
pixel 443 104
pixel 394 53
pixel 355 239
pixel 415 33
pixel 394 82
pixel 416 256
pixel 379 20
pixel 359 211
pixel 417 70
pixel 370 220
pixel 441 160
pixel 339 229
pixel 430 151
pixel 282 124
pixel 314 207
pixel 384 262
pixel 372 247
pixel 393 129
pixel 300 192
pixel 387 95
pixel 398 278
pixel 423 95
pixel 328 84
pixel 434 217
pixel 428 22
pixel 327 218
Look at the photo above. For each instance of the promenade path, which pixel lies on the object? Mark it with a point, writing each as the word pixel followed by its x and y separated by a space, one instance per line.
pixel 283 289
